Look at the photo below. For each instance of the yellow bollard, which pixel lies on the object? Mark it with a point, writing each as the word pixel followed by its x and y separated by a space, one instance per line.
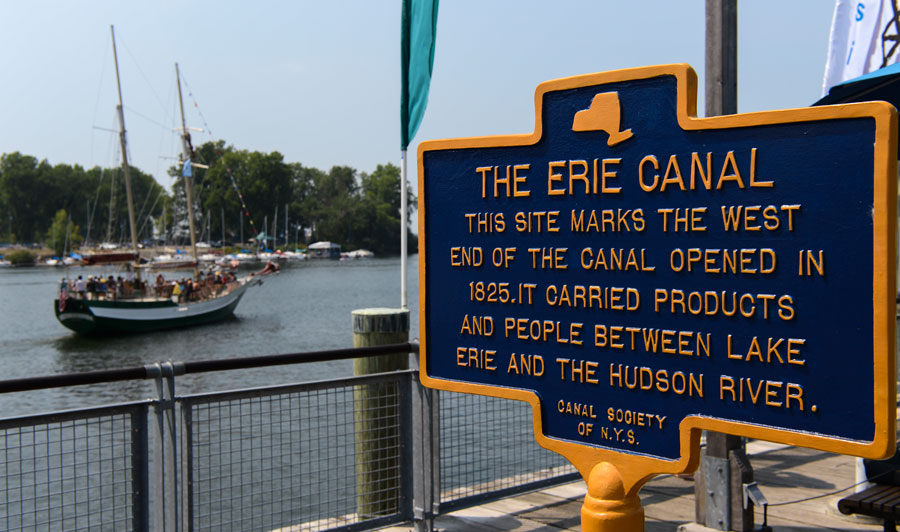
pixel 607 506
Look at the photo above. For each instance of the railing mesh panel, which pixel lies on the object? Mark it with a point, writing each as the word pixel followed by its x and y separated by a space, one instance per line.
pixel 306 457
pixel 488 445
pixel 68 475
pixel 293 461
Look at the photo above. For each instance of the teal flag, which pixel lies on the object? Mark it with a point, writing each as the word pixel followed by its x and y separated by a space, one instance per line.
pixel 418 27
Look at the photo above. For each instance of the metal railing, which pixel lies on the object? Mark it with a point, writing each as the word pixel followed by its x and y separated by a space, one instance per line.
pixel 75 470
pixel 348 454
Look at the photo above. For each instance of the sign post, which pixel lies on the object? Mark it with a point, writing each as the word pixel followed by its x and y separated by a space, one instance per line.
pixel 719 503
pixel 638 274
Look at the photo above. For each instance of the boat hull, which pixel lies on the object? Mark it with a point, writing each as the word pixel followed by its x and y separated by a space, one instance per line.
pixel 95 317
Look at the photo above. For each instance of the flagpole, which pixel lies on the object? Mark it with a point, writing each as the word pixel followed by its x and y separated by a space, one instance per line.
pixel 418 22
pixel 403 225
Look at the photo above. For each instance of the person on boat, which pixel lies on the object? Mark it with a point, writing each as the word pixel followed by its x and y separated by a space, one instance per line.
pixel 186 289
pixel 197 286
pixel 101 287
pixel 160 284
pixel 209 285
pixel 215 283
pixel 176 292
pixel 111 288
pixel 80 287
pixel 202 287
pixel 129 281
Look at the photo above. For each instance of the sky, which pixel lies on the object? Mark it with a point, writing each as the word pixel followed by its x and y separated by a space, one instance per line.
pixel 319 82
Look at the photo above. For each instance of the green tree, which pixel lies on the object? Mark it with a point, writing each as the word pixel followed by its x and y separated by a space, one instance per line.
pixel 20 193
pixel 333 203
pixel 62 232
pixel 32 191
pixel 303 200
pixel 263 179
pixel 112 223
pixel 357 210
pixel 379 211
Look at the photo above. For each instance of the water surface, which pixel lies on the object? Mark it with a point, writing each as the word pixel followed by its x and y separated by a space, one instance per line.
pixel 306 307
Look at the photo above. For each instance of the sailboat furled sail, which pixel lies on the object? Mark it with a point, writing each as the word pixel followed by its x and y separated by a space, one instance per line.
pixel 131 304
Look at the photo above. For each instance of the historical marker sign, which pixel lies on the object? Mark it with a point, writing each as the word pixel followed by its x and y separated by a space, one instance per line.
pixel 638 274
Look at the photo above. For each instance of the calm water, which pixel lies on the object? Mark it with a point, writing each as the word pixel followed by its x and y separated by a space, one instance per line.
pixel 304 308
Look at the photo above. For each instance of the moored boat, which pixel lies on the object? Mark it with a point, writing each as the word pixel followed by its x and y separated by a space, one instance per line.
pixel 97 259
pixel 324 250
pixel 357 254
pixel 172 262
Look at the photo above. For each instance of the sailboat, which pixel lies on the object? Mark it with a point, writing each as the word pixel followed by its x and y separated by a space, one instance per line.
pixel 140 307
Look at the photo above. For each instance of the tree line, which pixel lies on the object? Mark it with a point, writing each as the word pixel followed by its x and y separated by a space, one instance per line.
pixel 241 193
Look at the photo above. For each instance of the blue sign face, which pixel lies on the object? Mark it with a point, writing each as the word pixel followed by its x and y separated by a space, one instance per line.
pixel 644 273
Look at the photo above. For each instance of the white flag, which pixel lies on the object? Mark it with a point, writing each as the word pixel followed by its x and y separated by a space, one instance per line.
pixel 864 37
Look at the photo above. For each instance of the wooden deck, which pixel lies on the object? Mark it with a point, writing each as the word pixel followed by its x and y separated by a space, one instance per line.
pixel 784 474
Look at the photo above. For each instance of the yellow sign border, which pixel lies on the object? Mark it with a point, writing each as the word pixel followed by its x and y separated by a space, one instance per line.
pixel 635 468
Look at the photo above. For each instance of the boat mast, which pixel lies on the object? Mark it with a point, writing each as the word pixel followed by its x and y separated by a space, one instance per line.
pixel 122 143
pixel 87 214
pixel 187 152
pixel 112 203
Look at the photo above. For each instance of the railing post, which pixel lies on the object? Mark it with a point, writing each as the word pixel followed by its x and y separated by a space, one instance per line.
pixel 426 456
pixel 140 458
pixel 187 470
pixel 407 384
pixel 165 477
pixel 377 406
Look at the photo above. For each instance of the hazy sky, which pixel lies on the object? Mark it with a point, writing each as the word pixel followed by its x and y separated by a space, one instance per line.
pixel 319 81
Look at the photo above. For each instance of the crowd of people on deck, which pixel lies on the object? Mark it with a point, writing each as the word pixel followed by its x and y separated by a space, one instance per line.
pixel 185 289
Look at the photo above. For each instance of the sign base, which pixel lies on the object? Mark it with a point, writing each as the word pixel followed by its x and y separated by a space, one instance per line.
pixel 607 506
